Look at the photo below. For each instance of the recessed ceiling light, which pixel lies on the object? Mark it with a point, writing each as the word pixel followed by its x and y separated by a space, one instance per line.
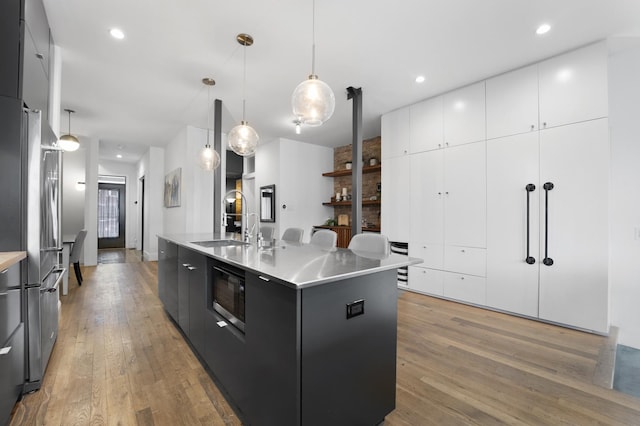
pixel 116 33
pixel 420 79
pixel 119 155
pixel 543 29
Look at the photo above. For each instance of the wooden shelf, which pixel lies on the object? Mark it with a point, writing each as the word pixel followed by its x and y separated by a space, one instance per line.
pixel 348 203
pixel 347 172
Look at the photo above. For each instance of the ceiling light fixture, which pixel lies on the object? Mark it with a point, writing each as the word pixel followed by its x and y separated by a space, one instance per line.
pixel 119 156
pixel 208 158
pixel 420 79
pixel 69 142
pixel 298 128
pixel 243 139
pixel 116 33
pixel 313 100
pixel 543 29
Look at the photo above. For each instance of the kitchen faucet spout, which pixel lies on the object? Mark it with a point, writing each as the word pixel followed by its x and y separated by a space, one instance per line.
pixel 244 214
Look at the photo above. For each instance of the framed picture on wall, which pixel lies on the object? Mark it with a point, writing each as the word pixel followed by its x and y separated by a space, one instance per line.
pixel 172 183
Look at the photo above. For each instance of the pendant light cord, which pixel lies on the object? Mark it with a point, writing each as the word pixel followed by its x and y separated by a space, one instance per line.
pixel 313 37
pixel 208 114
pixel 69 127
pixel 244 79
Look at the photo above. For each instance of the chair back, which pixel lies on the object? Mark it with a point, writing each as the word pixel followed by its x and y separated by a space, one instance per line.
pixel 74 256
pixel 293 235
pixel 324 238
pixel 370 242
pixel 267 232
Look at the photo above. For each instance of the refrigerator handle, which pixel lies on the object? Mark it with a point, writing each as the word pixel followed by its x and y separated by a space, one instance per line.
pixel 530 188
pixel 548 186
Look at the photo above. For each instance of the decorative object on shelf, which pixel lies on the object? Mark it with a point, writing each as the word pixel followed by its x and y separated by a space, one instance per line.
pixel 343 220
pixel 243 139
pixel 69 142
pixel 208 158
pixel 172 183
pixel 348 165
pixel 331 222
pixel 313 100
pixel 373 161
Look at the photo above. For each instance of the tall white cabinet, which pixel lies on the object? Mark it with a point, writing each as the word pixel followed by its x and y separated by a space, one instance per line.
pixel 479 214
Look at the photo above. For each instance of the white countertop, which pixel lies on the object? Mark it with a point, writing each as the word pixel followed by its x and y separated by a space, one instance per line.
pixel 298 265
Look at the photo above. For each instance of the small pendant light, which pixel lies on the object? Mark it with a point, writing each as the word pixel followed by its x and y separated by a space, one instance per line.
pixel 69 142
pixel 313 100
pixel 208 158
pixel 243 139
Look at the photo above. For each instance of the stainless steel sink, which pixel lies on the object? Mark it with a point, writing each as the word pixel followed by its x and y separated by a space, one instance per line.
pixel 220 243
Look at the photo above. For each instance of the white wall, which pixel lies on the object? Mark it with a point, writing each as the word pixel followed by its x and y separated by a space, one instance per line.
pixel 267 173
pixel 624 112
pixel 151 166
pixel 174 219
pixel 128 170
pixel 73 200
pixel 195 213
pixel 296 169
pixel 91 201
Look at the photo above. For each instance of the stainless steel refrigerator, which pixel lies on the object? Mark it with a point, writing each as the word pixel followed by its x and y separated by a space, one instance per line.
pixel 44 245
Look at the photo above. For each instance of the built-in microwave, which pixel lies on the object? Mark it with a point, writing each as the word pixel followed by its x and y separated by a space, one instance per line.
pixel 228 294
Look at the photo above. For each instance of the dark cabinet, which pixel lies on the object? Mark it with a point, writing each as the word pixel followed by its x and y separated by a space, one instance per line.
pixel 37 53
pixel 10 55
pixel 168 276
pixel 272 339
pixel 193 267
pixel 12 367
pixel 227 357
pixel 11 372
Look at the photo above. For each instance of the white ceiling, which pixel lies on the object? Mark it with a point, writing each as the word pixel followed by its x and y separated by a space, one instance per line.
pixel 142 90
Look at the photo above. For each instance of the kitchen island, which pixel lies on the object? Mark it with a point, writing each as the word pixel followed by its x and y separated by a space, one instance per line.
pixel 317 340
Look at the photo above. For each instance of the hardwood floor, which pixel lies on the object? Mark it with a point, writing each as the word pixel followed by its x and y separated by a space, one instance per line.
pixel 120 360
pixel 119 255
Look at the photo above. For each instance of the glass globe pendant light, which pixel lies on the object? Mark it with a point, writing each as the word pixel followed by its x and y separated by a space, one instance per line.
pixel 243 139
pixel 208 158
pixel 69 142
pixel 313 100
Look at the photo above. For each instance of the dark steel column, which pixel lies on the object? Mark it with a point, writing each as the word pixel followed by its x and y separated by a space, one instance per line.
pixel 217 173
pixel 356 158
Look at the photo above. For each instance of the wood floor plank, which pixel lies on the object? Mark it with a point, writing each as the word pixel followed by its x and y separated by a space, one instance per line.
pixel 119 359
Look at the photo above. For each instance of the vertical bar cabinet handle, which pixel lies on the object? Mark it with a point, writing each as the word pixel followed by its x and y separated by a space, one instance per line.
pixel 530 188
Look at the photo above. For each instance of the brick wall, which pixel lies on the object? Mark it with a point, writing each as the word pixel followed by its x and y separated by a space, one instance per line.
pixel 371 148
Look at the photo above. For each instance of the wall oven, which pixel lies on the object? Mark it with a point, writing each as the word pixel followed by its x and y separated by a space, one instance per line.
pixel 228 294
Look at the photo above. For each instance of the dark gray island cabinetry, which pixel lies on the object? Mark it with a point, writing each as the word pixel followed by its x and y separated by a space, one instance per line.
pixel 313 341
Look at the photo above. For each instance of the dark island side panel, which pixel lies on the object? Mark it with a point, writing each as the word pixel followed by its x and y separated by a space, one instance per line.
pixel 349 365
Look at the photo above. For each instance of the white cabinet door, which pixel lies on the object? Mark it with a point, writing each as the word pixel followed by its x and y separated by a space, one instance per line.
pixel 466 288
pixel 426 125
pixel 425 280
pixel 574 289
pixel 465 195
pixel 512 164
pixel 396 190
pixel 512 103
pixel 427 227
pixel 464 115
pixel 573 87
pixel 466 260
pixel 395 133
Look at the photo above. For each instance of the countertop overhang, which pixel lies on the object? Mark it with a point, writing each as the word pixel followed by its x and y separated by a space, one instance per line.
pixel 10 258
pixel 297 265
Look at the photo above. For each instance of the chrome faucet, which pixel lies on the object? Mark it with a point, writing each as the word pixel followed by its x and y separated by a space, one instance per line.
pixel 244 215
